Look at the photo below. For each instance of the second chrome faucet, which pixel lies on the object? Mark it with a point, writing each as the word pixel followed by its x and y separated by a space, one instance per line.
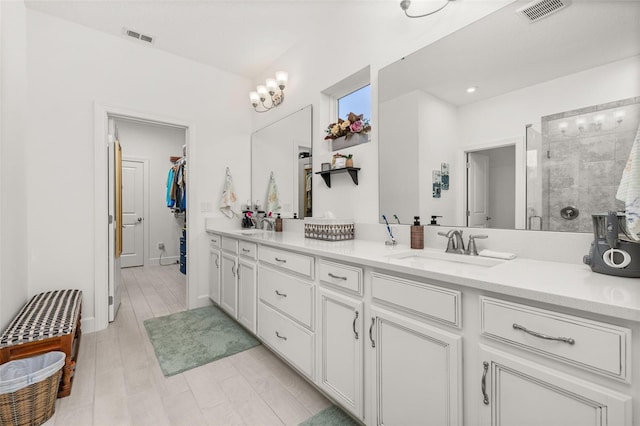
pixel 455 244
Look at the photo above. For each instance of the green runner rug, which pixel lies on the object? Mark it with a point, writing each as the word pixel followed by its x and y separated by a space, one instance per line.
pixel 332 416
pixel 189 339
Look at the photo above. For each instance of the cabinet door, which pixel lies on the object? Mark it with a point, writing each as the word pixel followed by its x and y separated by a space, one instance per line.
pixel 340 334
pixel 228 290
pixel 247 298
pixel 519 392
pixel 418 371
pixel 214 275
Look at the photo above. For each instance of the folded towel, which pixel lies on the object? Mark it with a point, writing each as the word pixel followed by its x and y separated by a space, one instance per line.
pixel 228 202
pixel 273 202
pixel 629 189
pixel 497 254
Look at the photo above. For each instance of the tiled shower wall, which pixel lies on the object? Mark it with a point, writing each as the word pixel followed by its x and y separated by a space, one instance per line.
pixel 583 154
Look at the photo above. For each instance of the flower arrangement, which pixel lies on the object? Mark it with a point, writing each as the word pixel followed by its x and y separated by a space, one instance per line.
pixel 352 125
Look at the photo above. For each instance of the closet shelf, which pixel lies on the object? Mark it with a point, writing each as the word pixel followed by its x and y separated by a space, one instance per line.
pixel 326 174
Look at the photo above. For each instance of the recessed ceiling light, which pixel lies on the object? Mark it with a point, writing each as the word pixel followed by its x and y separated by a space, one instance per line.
pixel 471 89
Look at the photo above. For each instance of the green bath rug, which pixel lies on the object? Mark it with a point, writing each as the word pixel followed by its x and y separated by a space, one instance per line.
pixel 332 416
pixel 189 339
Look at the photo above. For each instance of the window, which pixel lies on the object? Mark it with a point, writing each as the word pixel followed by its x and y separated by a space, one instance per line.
pixel 358 102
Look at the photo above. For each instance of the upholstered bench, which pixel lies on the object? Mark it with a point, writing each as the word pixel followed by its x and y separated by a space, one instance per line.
pixel 50 321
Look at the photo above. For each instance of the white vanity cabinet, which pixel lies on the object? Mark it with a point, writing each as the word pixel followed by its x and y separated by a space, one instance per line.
pixel 229 283
pixel 214 267
pixel 238 280
pixel 286 295
pixel 516 391
pixel 418 367
pixel 341 335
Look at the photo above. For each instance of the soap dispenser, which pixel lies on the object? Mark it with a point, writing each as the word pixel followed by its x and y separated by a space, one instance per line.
pixel 417 234
pixel 278 223
pixel 434 220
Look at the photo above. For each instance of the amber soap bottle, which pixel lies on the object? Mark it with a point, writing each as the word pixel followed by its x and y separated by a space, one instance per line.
pixel 417 234
pixel 278 223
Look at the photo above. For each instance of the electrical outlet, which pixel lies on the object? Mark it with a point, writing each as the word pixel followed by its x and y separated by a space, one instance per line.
pixel 160 246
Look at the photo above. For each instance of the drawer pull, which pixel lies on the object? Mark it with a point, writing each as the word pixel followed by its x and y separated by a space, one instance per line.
pixel 281 260
pixel 484 383
pixel 354 325
pixel 246 250
pixel 281 294
pixel 373 342
pixel 217 264
pixel 337 277
pixel 568 340
pixel 279 336
pixel 233 271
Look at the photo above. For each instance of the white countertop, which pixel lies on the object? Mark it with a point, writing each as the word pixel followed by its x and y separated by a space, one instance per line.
pixel 563 284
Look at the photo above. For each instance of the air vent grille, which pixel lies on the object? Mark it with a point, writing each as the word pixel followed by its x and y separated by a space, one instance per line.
pixel 543 8
pixel 138 36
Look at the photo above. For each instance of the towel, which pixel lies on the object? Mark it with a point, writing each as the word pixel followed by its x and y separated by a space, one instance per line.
pixel 273 202
pixel 629 189
pixel 228 202
pixel 497 254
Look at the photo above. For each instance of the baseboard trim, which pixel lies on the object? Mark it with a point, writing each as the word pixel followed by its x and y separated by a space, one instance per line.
pixel 166 260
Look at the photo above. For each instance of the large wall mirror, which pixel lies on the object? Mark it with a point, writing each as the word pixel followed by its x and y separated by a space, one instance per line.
pixel 513 124
pixel 281 155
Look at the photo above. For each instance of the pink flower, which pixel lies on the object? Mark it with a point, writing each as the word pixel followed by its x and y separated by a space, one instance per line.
pixel 356 126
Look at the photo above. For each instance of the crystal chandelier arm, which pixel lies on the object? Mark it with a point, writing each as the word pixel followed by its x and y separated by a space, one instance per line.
pixel 406 6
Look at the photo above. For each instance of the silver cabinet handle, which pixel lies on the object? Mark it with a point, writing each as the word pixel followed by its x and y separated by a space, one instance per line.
pixel 568 340
pixel 484 383
pixel 279 336
pixel 355 332
pixel 281 260
pixel 337 277
pixel 233 271
pixel 246 250
pixel 217 264
pixel 281 294
pixel 373 342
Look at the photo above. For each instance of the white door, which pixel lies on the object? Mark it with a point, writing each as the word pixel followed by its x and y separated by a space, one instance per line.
pixel 247 300
pixel 418 372
pixel 132 213
pixel 477 190
pixel 341 337
pixel 114 153
pixel 523 393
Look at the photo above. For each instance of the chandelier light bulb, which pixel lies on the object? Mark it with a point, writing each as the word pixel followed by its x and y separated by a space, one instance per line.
pixel 272 85
pixel 281 78
pixel 262 91
pixel 254 97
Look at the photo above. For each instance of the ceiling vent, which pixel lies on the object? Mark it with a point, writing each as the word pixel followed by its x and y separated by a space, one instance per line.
pixel 538 10
pixel 138 36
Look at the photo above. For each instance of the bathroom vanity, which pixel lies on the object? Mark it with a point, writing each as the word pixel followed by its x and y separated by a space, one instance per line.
pixel 401 336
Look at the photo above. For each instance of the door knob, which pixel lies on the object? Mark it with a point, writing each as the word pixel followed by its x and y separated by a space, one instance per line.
pixel 139 219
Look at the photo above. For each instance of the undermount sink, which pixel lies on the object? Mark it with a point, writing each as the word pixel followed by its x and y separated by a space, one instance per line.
pixel 248 232
pixel 449 259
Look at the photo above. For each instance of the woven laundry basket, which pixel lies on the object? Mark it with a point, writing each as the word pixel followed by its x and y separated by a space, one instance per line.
pixel 29 388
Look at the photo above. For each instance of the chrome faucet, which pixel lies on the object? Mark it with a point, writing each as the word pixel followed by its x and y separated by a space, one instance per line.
pixel 455 243
pixel 471 247
pixel 266 223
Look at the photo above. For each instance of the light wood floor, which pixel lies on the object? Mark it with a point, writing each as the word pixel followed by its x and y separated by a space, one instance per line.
pixel 118 380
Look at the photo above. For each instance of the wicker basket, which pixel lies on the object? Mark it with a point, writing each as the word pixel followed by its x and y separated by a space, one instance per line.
pixel 33 404
pixel 329 229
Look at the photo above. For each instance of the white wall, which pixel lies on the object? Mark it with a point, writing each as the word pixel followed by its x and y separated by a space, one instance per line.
pixel 155 143
pixel 69 68
pixel 13 225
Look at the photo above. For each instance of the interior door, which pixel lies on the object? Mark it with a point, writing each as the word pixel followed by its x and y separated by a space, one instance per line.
pixel 477 190
pixel 132 213
pixel 114 156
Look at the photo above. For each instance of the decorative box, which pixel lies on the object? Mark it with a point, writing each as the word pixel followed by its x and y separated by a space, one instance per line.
pixel 329 229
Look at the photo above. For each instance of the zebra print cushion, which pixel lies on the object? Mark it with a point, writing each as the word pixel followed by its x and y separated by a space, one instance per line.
pixel 49 314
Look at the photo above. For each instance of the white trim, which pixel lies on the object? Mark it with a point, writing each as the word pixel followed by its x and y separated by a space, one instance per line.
pixel 521 181
pixel 101 253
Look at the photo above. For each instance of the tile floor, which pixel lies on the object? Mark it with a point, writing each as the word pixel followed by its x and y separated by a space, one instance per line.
pixel 118 380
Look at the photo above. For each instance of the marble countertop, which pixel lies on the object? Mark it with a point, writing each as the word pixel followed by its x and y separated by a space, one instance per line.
pixel 562 284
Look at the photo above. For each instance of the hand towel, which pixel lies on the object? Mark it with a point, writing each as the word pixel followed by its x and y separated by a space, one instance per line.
pixel 273 202
pixel 497 254
pixel 629 189
pixel 228 202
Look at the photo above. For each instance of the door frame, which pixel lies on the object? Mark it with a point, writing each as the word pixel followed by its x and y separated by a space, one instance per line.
pixel 521 181
pixel 145 205
pixel 102 254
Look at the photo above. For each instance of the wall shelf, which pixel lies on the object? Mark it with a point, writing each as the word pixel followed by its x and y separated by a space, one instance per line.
pixel 326 174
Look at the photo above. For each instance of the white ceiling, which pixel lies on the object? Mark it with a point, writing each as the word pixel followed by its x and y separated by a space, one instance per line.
pixel 243 37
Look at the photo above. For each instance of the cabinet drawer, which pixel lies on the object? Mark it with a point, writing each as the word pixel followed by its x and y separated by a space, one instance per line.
pixel 289 339
pixel 596 346
pixel 230 244
pixel 429 301
pixel 247 249
pixel 287 294
pixel 287 260
pixel 342 276
pixel 214 240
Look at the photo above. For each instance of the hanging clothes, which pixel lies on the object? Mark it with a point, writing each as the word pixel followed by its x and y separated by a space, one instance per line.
pixel 171 201
pixel 177 187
